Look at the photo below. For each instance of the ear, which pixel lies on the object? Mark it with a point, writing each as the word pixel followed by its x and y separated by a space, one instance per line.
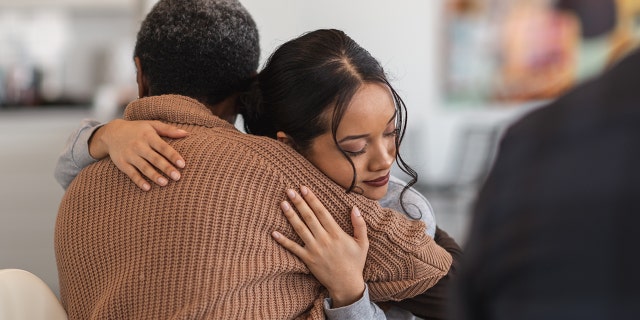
pixel 284 138
pixel 143 87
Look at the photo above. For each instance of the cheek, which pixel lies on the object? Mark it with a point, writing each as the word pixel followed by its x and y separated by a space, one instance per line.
pixel 342 175
pixel 391 147
pixel 334 166
pixel 340 172
pixel 360 163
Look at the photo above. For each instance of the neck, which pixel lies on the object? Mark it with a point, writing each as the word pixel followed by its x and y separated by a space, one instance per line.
pixel 227 109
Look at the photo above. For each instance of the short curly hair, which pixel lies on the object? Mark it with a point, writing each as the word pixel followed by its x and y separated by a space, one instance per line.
pixel 204 49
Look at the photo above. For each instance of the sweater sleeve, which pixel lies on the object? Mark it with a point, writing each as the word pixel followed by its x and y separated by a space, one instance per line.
pixel 75 155
pixel 434 303
pixel 416 206
pixel 403 261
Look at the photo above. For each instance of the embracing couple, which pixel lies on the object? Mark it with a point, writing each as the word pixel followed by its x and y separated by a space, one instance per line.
pixel 298 219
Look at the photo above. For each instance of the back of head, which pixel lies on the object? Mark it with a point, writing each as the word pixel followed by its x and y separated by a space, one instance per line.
pixel 302 79
pixel 204 49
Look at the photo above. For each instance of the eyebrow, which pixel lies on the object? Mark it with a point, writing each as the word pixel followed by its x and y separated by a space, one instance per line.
pixel 355 137
pixel 360 136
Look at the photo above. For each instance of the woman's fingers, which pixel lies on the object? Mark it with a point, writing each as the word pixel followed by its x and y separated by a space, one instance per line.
pixel 359 228
pixel 163 148
pixel 159 154
pixel 335 259
pixel 307 213
pixel 290 245
pixel 298 225
pixel 320 212
pixel 136 148
pixel 135 176
pixel 131 160
pixel 167 130
pixel 149 171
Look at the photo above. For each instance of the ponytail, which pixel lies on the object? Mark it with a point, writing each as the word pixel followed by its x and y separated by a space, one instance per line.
pixel 257 120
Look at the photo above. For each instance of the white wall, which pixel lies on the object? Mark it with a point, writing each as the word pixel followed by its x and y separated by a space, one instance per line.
pixel 401 34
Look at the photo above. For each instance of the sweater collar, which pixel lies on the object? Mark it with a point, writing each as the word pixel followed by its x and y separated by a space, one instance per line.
pixel 175 109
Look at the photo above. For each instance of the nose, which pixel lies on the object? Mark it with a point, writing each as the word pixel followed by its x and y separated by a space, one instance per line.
pixel 383 156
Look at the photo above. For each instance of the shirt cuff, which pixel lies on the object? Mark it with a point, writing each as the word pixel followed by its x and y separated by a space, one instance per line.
pixel 361 309
pixel 80 152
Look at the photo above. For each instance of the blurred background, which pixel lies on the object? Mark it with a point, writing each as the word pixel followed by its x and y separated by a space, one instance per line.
pixel 465 68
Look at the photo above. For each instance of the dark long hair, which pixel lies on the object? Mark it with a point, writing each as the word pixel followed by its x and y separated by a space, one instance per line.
pixel 305 77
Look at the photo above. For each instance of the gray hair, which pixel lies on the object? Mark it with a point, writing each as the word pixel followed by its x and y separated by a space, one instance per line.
pixel 204 49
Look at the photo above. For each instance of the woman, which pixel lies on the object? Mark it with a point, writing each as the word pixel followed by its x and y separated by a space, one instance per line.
pixel 326 97
pixel 329 99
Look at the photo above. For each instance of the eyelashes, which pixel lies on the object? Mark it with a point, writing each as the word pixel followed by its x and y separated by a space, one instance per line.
pixel 356 153
pixel 391 134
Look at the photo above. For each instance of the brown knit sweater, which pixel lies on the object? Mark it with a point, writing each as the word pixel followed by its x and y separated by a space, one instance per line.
pixel 201 248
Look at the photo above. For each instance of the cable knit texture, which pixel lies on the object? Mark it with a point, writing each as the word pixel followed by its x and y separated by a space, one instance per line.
pixel 201 248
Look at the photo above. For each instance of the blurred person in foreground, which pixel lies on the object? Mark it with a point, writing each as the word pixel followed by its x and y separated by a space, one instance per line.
pixel 554 230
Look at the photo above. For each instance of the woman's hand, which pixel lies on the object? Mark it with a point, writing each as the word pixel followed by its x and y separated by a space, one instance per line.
pixel 137 149
pixel 335 258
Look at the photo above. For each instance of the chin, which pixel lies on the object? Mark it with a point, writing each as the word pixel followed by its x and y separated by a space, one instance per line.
pixel 376 198
pixel 376 194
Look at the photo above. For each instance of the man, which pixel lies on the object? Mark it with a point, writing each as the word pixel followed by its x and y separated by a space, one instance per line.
pixel 201 248
pixel 553 236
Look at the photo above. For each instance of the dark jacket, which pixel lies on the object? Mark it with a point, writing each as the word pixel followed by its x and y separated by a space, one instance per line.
pixel 556 226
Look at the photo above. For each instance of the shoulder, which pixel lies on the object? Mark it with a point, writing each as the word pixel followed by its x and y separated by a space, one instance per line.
pixel 414 202
pixel 244 151
pixel 396 185
pixel 217 140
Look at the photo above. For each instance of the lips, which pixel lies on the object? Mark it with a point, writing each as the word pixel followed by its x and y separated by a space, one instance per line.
pixel 382 181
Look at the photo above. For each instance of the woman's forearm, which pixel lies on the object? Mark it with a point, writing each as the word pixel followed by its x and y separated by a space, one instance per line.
pixel 75 155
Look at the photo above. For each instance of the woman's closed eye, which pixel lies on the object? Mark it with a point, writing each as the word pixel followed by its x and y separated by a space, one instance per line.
pixel 392 133
pixel 353 151
pixel 356 150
